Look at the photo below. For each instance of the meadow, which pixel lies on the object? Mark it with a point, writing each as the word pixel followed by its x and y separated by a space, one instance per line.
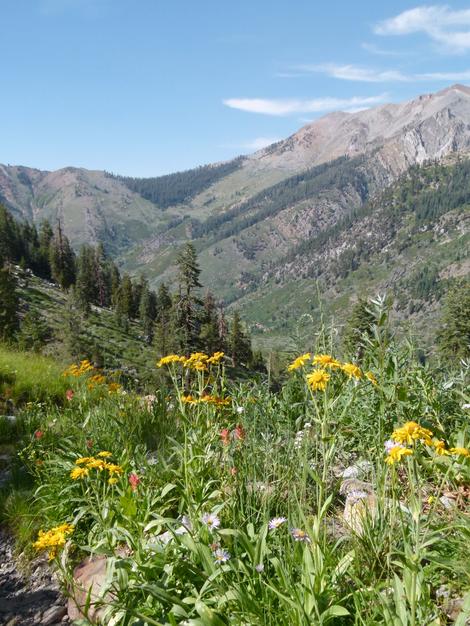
pixel 337 497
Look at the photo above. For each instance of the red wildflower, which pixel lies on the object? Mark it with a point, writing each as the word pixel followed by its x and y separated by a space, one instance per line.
pixel 89 443
pixel 38 434
pixel 239 432
pixel 225 436
pixel 134 480
pixel 69 394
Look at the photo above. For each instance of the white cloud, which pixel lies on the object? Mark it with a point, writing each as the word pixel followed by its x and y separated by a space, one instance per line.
pixel 439 22
pixel 281 107
pixel 373 49
pixel 355 73
pixel 368 75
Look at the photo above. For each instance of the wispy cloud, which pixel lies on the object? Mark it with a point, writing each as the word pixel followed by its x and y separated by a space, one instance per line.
pixel 369 75
pixel 355 73
pixel 281 107
pixel 374 49
pixel 449 28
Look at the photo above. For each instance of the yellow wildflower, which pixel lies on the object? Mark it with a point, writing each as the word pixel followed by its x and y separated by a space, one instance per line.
pixel 460 451
pixel 78 472
pixel 396 454
pixel 326 360
pixel 440 448
pixel 112 481
pixel 189 399
pixel 98 464
pixel 370 376
pixel 215 358
pixel 113 469
pixel 83 459
pixel 431 499
pixel 104 454
pixel 353 371
pixel 114 387
pixel 53 539
pixel 318 380
pixel 299 362
pixel 171 358
pixel 410 432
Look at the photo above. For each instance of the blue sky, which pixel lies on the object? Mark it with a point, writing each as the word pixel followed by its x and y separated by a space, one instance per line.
pixel 145 87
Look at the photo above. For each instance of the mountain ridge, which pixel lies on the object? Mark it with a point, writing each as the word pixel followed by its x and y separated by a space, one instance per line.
pixel 247 220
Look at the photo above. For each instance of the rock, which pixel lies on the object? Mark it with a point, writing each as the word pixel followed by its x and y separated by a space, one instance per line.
pixel 447 503
pixel 88 583
pixel 53 615
pixel 14 621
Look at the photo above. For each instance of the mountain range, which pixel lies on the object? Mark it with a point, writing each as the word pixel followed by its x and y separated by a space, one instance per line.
pixel 352 204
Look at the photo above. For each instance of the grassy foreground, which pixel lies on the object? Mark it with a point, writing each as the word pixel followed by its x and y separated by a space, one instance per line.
pixel 340 499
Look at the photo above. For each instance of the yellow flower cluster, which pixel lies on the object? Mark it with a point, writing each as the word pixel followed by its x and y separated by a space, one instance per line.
pixel 53 539
pixel 396 454
pixel 87 463
pixel 78 370
pixel 206 399
pixel 299 362
pixel 198 361
pixel 318 380
pixel 411 432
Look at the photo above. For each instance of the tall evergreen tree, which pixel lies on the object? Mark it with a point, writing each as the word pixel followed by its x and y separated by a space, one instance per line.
pixel 209 334
pixel 34 331
pixel 9 320
pixel 85 286
pixel 62 259
pixel 453 336
pixel 188 304
pixel 239 343
pixel 124 302
pixel 164 327
pixel 358 328
pixel 147 311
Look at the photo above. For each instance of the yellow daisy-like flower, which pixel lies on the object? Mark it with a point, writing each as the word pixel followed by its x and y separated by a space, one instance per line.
pixel 460 451
pixel 98 464
pixel 215 358
pixel 370 376
pixel 353 371
pixel 78 472
pixel 53 539
pixel 318 380
pixel 113 480
pixel 396 454
pixel 189 399
pixel 299 362
pixel 105 454
pixel 113 469
pixel 440 448
pixel 171 358
pixel 83 459
pixel 326 360
pixel 411 432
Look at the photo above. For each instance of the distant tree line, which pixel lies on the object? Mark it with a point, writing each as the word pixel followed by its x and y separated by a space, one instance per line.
pixel 177 320
pixel 172 189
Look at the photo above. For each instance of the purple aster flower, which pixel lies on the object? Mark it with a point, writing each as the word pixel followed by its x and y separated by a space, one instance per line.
pixel 210 520
pixel 276 522
pixel 221 556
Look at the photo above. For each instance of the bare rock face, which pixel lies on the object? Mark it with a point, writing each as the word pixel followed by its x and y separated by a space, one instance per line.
pixel 360 505
pixel 86 595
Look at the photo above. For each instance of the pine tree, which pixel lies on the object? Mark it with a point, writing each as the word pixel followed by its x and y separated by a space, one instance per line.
pixel 85 288
pixel 358 328
pixel 239 343
pixel 453 336
pixel 34 331
pixel 124 302
pixel 164 339
pixel 45 237
pixel 9 320
pixel 102 276
pixel 62 259
pixel 188 305
pixel 147 311
pixel 209 334
pixel 72 332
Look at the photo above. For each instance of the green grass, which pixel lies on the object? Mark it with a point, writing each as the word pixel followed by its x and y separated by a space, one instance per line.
pixel 262 455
